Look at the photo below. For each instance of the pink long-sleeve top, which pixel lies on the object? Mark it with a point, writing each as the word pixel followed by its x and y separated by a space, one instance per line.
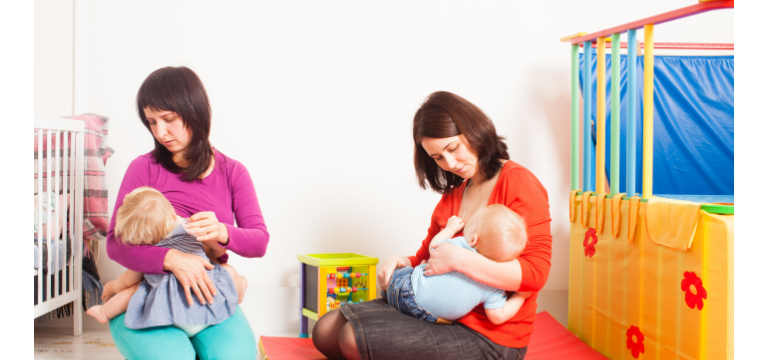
pixel 228 192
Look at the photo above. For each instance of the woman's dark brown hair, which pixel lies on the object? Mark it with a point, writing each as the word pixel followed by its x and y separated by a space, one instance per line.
pixel 443 115
pixel 178 89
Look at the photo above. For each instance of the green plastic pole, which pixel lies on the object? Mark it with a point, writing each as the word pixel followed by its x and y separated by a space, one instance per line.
pixel 575 117
pixel 615 112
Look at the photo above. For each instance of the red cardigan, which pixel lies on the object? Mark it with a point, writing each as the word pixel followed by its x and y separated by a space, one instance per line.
pixel 519 190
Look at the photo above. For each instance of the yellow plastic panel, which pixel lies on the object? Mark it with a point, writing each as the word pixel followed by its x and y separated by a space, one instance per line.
pixel 372 283
pixel 678 233
pixel 615 285
pixel 321 291
pixel 345 259
pixel 309 313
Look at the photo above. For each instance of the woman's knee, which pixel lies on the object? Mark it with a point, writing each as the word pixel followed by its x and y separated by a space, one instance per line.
pixel 348 342
pixel 231 339
pixel 325 334
pixel 166 342
pixel 329 325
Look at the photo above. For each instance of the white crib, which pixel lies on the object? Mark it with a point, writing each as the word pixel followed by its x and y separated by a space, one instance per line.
pixel 64 176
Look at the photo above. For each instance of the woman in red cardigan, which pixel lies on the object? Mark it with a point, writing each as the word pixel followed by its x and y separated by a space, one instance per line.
pixel 458 154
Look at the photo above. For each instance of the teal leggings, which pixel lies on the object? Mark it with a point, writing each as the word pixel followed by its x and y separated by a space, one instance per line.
pixel 231 339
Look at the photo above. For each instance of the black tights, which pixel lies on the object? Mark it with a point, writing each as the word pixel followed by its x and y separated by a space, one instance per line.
pixel 334 337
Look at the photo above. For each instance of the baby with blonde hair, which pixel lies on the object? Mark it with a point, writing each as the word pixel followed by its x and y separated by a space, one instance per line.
pixel 497 233
pixel 146 217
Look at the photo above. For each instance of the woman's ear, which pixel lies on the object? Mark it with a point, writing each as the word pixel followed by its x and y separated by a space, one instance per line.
pixel 473 241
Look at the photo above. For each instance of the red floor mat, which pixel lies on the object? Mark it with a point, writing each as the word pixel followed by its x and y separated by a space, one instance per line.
pixel 550 341
pixel 285 348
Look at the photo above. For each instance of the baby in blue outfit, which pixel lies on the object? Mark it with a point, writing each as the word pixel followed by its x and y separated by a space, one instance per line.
pixel 497 233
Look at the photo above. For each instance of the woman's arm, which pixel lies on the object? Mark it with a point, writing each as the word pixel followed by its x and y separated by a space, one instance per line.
pixel 250 237
pixel 524 194
pixel 529 272
pixel 448 257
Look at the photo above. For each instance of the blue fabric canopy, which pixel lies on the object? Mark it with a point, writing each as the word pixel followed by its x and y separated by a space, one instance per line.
pixel 693 123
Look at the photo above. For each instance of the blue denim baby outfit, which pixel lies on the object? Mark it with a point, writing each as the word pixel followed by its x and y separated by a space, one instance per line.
pixel 399 295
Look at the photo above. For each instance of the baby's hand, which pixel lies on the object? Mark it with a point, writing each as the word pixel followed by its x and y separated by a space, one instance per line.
pixel 455 223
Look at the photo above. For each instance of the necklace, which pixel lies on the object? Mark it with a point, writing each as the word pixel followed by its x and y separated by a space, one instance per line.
pixel 464 196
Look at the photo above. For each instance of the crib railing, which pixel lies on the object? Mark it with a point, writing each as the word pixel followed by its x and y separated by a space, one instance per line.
pixel 60 153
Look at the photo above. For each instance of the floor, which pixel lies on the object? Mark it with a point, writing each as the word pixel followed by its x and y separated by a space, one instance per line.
pixel 93 344
pixel 96 342
pixel 54 339
pixel 59 343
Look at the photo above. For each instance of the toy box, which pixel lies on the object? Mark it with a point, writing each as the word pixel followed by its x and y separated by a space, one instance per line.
pixel 329 281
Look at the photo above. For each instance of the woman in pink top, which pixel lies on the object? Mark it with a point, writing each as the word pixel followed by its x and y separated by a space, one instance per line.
pixel 204 185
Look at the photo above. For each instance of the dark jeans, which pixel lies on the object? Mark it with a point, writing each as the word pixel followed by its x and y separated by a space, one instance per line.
pixel 399 295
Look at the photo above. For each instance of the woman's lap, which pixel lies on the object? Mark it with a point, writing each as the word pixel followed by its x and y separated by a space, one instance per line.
pixel 164 342
pixel 231 339
pixel 382 332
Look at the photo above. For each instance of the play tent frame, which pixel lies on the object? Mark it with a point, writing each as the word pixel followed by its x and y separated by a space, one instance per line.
pixel 640 285
pixel 593 176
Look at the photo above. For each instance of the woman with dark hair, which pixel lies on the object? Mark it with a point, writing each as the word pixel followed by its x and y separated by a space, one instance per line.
pixel 210 189
pixel 458 154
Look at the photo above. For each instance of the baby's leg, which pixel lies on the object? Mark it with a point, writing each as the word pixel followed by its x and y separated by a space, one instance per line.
pixel 114 306
pixel 124 281
pixel 241 284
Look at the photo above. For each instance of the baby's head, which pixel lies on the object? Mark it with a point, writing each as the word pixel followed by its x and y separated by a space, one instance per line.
pixel 497 233
pixel 145 217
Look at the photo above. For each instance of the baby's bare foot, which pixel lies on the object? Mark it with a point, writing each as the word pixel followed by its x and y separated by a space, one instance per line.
pixel 98 313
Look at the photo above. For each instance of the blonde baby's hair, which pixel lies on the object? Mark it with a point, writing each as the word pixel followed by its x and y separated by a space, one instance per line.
pixel 145 217
pixel 501 233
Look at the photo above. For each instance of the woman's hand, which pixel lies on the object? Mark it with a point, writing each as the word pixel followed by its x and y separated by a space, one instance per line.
pixel 205 226
pixel 190 270
pixel 447 257
pixel 444 258
pixel 388 267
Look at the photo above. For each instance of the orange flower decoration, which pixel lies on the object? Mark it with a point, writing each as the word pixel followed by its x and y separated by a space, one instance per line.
pixel 590 240
pixel 636 347
pixel 693 300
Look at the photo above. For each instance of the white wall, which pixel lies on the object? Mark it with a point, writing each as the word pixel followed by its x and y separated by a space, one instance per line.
pixel 317 99
pixel 54 37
